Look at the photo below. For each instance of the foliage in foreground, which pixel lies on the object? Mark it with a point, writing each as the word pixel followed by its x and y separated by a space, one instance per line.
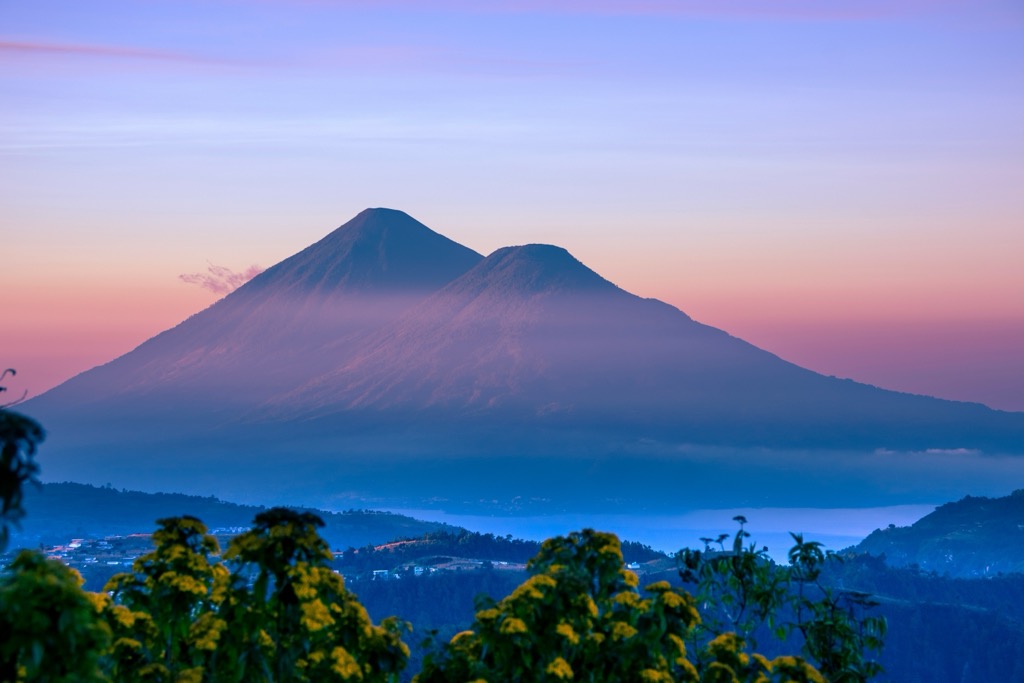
pixel 19 438
pixel 742 592
pixel 271 609
pixel 581 616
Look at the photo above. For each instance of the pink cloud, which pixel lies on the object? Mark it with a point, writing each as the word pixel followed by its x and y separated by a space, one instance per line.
pixel 37 48
pixel 220 279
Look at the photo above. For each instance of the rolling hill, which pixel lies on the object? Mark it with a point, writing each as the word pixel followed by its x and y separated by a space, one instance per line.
pixel 973 537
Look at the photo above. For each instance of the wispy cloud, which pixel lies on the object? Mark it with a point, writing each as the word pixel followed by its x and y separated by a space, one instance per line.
pixel 225 131
pixel 39 48
pixel 364 57
pixel 431 56
pixel 786 10
pixel 744 9
pixel 221 279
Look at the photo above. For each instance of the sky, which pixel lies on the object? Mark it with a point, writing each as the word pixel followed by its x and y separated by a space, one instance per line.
pixel 840 183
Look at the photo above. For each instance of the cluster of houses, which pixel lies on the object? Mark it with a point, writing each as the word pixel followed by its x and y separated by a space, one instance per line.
pixel 101 558
pixel 113 551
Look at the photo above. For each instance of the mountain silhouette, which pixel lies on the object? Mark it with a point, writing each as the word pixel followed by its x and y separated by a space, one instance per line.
pixel 386 355
pixel 532 337
pixel 293 321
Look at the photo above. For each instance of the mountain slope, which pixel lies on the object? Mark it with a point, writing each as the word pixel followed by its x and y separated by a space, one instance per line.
pixel 288 324
pixel 532 337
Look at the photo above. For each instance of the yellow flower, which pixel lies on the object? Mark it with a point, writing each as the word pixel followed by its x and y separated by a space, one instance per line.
pixel 797 669
pixel 123 616
pixel 76 575
pixel 184 583
pixel 652 676
pixel 205 632
pixel 315 615
pixel 99 601
pixel 460 635
pixel 221 581
pixel 153 671
pixel 526 591
pixel 611 545
pixel 716 671
pixel 658 587
pixel 559 668
pixel 567 632
pixel 689 671
pixel 359 613
pixel 488 615
pixel 622 631
pixel 513 625
pixel 680 647
pixel 725 644
pixel 631 579
pixel 175 552
pixel 673 600
pixel 129 643
pixel 304 587
pixel 626 598
pixel 265 639
pixel 533 588
pixel 345 665
pixel 193 675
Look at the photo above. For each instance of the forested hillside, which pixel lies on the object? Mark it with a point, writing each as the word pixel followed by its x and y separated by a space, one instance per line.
pixel 940 629
pixel 63 511
pixel 443 547
pixel 973 537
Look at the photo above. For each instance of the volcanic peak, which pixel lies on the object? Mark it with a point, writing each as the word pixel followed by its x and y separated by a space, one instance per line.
pixel 534 268
pixel 378 249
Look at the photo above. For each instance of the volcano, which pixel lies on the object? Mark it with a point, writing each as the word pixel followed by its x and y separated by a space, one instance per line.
pixel 387 343
pixel 293 322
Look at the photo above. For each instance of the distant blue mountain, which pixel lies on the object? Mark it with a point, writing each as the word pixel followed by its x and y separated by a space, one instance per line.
pixel 64 510
pixel 386 360
pixel 973 537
